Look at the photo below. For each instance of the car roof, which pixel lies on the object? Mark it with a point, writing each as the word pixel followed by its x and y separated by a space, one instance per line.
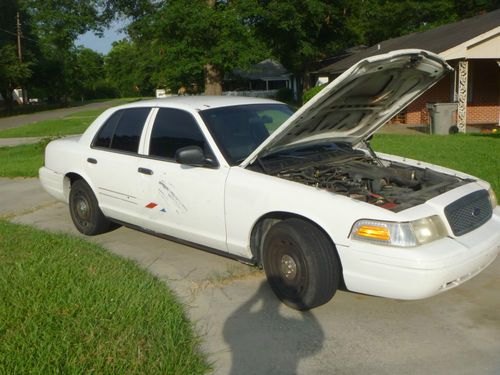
pixel 199 102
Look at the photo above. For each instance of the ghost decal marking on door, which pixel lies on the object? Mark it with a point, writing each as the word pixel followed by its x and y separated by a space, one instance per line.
pixel 166 191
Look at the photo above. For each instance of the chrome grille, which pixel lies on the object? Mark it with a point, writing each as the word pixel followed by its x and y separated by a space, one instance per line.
pixel 469 212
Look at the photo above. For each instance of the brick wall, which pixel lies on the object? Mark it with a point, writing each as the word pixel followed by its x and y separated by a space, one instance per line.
pixel 416 112
pixel 485 105
pixel 484 108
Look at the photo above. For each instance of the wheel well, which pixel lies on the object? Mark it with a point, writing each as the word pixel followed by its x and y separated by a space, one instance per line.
pixel 73 177
pixel 69 180
pixel 263 225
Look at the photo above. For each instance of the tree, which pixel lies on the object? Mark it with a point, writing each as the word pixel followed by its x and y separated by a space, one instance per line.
pixel 127 69
pixel 300 32
pixel 57 24
pixel 91 82
pixel 12 72
pixel 195 42
pixel 376 20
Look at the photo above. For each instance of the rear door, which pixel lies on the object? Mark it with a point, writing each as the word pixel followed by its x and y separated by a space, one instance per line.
pixel 112 163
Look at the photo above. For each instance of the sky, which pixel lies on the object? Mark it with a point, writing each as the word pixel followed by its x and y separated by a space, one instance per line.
pixel 103 45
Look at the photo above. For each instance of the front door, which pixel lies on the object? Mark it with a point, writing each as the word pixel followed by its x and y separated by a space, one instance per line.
pixel 182 201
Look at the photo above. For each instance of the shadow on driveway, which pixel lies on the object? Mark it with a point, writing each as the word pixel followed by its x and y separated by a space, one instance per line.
pixel 266 337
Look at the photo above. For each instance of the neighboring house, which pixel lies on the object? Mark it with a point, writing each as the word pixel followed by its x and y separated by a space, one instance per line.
pixel 17 96
pixel 472 48
pixel 263 79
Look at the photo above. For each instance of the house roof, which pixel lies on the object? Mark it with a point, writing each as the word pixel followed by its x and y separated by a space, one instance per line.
pixel 265 70
pixel 437 40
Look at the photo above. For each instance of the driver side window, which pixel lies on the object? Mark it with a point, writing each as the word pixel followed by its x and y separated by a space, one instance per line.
pixel 172 130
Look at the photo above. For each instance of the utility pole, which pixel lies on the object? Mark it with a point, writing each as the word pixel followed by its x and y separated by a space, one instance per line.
pixel 20 53
pixel 18 30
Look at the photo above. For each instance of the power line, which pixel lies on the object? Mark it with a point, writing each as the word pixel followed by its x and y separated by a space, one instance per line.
pixel 22 36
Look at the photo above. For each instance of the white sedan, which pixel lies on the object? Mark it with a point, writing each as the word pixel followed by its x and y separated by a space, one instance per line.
pixel 301 194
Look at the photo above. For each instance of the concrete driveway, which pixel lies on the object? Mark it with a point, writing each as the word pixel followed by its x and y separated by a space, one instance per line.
pixel 247 331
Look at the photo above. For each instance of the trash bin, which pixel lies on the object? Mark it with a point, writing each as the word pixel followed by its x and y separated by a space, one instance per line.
pixel 442 117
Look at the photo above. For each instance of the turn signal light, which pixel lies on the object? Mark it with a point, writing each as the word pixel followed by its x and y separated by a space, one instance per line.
pixel 374 232
pixel 403 234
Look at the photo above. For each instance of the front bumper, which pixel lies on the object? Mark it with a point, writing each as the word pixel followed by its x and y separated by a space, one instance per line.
pixel 424 271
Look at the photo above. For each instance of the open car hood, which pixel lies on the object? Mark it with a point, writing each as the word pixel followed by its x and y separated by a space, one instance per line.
pixel 358 102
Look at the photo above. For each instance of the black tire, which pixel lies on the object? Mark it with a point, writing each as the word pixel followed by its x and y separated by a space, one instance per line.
pixel 301 264
pixel 85 212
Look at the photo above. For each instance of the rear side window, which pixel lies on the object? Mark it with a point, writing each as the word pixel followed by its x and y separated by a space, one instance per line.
pixel 105 135
pixel 174 129
pixel 123 130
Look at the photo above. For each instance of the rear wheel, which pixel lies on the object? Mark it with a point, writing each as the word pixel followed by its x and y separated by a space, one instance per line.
pixel 85 212
pixel 301 265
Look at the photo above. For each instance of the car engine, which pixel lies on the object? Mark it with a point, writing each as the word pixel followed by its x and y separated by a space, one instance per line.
pixel 389 185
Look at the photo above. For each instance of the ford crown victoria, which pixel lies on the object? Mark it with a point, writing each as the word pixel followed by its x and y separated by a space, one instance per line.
pixel 301 194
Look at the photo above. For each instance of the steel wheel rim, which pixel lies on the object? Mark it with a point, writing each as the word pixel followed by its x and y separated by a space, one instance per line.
pixel 288 267
pixel 290 282
pixel 82 210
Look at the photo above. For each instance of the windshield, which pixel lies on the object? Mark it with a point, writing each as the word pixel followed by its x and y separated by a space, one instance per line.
pixel 239 130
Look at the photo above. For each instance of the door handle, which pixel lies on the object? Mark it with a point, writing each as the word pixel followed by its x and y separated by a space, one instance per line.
pixel 145 171
pixel 91 160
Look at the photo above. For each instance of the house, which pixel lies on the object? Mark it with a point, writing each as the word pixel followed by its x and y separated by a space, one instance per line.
pixel 17 96
pixel 263 79
pixel 472 48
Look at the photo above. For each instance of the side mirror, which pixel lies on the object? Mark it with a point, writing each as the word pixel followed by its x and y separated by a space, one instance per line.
pixel 193 155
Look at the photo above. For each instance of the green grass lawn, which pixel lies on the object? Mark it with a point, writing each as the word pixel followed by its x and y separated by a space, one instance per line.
pixel 70 307
pixel 92 113
pixel 52 128
pixel 478 155
pixel 22 161
pixel 22 110
pixel 75 123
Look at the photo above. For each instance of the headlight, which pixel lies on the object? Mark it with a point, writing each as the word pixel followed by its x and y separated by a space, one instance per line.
pixel 406 234
pixel 493 198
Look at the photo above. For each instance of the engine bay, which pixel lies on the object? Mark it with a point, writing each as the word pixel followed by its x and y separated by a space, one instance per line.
pixel 356 174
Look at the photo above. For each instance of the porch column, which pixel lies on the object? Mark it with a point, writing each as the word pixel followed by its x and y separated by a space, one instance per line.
pixel 463 70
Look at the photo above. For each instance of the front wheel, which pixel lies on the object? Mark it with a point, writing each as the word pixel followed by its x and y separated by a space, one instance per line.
pixel 301 264
pixel 85 212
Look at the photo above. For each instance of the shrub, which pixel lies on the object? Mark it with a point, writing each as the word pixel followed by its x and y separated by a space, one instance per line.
pixel 309 94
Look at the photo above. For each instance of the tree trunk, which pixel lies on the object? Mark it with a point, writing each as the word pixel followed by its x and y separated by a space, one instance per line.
pixel 213 76
pixel 306 81
pixel 213 80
